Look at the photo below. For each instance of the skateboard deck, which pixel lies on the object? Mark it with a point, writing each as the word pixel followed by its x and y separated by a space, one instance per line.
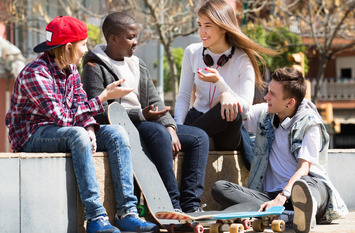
pixel 145 173
pixel 150 183
pixel 232 222
pixel 208 215
pixel 272 211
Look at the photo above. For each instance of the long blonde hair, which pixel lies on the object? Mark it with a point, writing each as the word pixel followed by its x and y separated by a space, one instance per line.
pixel 221 13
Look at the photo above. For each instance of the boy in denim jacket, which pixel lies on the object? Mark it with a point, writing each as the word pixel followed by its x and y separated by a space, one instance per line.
pixel 291 148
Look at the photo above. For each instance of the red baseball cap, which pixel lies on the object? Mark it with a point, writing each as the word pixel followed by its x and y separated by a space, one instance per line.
pixel 62 30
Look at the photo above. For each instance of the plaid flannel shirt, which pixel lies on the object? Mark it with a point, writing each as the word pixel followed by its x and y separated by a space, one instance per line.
pixel 45 95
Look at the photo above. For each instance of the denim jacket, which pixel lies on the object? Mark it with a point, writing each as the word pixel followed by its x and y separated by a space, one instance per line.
pixel 306 117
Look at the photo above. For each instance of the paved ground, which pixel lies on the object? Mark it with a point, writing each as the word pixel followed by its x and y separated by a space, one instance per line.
pixel 345 225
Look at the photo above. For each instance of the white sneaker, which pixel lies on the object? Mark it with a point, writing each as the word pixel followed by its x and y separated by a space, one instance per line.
pixel 305 207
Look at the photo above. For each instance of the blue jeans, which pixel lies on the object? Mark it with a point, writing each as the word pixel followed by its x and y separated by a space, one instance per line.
pixel 195 144
pixel 112 139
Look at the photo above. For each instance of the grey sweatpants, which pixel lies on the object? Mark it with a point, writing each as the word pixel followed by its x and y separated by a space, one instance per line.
pixel 227 194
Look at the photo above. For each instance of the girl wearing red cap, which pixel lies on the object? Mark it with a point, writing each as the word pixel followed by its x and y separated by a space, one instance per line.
pixel 50 112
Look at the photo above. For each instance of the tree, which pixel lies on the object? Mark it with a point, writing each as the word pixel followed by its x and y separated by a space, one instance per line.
pixel 178 54
pixel 279 38
pixel 160 20
pixel 164 21
pixel 323 21
pixel 29 18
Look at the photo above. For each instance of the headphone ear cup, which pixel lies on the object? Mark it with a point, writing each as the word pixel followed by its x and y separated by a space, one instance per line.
pixel 208 60
pixel 222 60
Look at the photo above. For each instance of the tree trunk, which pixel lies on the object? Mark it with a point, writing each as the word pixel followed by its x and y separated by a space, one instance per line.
pixel 173 73
pixel 320 76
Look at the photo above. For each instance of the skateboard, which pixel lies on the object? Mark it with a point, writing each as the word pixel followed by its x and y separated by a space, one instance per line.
pixel 150 183
pixel 198 220
pixel 222 221
pixel 145 173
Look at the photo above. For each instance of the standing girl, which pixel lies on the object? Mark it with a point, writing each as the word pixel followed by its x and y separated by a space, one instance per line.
pixel 224 70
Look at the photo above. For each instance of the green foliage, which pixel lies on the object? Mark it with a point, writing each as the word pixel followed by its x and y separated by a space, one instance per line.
pixel 280 39
pixel 94 36
pixel 178 53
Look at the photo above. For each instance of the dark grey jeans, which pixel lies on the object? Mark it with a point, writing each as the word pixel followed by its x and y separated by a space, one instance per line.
pixel 227 194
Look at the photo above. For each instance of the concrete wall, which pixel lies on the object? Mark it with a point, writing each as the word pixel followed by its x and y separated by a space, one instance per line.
pixel 221 165
pixel 340 168
pixel 39 193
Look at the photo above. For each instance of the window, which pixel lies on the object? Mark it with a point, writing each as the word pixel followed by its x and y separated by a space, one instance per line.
pixel 346 73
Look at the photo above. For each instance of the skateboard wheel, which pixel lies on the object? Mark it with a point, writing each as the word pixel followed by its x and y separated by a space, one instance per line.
pixel 198 228
pixel 214 228
pixel 246 224
pixel 278 225
pixel 258 225
pixel 224 228
pixel 236 228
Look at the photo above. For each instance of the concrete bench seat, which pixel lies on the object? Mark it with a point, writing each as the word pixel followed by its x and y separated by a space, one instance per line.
pixel 39 193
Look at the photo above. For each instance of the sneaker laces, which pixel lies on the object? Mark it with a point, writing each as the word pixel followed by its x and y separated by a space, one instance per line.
pixel 133 214
pixel 101 218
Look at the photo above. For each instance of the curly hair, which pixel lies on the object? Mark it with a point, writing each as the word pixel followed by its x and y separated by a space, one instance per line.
pixel 115 23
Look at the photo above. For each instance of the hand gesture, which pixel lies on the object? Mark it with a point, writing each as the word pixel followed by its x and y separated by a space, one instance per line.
pixel 92 136
pixel 212 75
pixel 175 142
pixel 151 114
pixel 229 106
pixel 113 91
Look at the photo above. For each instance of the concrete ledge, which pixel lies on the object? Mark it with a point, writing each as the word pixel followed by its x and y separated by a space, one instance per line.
pixel 40 188
pixel 340 168
pixel 221 165
pixel 39 193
